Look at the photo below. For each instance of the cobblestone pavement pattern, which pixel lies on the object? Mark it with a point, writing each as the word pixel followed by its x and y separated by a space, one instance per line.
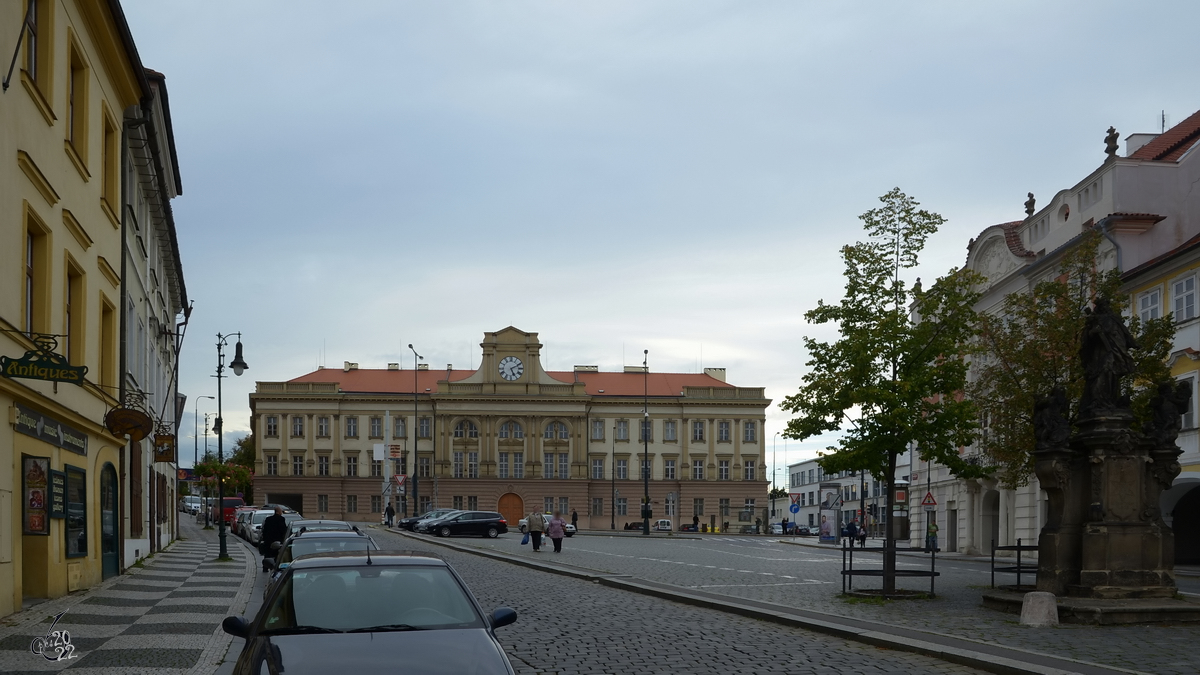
pixel 567 625
pixel 162 619
pixel 761 568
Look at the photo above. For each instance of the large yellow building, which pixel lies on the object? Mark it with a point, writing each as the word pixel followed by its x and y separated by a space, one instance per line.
pixel 63 164
pixel 511 437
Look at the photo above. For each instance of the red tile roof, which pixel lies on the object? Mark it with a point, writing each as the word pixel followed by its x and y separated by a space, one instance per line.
pixel 613 384
pixel 1171 144
pixel 1013 238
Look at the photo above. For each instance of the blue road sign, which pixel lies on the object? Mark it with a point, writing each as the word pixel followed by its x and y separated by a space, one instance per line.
pixel 795 508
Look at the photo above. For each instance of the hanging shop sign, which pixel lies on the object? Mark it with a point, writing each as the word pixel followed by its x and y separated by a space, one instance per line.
pixel 164 448
pixel 43 364
pixel 129 421
pixel 46 428
pixel 35 500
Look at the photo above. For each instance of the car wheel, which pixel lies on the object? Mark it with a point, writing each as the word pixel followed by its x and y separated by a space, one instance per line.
pixel 445 532
pixel 570 534
pixel 492 533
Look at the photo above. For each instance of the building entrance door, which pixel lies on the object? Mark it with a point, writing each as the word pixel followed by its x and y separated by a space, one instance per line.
pixel 952 531
pixel 109 564
pixel 512 507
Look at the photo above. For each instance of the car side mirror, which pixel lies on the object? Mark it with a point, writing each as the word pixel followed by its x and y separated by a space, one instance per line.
pixel 501 617
pixel 236 626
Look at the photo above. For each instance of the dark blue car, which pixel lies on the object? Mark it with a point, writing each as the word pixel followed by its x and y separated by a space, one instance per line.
pixel 376 612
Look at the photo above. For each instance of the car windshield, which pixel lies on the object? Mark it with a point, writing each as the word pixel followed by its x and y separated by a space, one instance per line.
pixel 369 598
pixel 301 546
pixel 260 516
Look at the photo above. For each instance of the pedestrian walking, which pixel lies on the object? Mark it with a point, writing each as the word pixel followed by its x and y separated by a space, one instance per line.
pixel 785 524
pixel 390 513
pixel 931 536
pixel 557 529
pixel 852 532
pixel 575 519
pixel 695 523
pixel 536 523
pixel 862 537
pixel 274 529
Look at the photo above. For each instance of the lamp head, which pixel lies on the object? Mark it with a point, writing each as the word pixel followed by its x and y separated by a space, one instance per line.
pixel 238 364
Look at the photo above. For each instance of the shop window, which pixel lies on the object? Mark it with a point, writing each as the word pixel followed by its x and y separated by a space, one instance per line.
pixel 76 522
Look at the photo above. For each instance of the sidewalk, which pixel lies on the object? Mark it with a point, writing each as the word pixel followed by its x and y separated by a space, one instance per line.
pixel 161 619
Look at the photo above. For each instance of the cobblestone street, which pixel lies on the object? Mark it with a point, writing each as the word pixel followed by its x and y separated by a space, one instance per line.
pixel 568 625
pixel 759 568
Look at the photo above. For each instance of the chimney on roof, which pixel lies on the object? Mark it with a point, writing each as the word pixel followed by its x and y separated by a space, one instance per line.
pixel 635 369
pixel 347 366
pixel 422 366
pixel 587 369
pixel 393 366
pixel 1134 142
pixel 715 373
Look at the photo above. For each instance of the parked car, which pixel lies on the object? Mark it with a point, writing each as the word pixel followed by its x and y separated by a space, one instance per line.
pixel 253 526
pixel 315 542
pixel 478 523
pixel 353 613
pixel 190 504
pixel 776 528
pixel 241 516
pixel 228 507
pixel 314 525
pixel 523 525
pixel 409 522
pixel 804 531
pixel 422 525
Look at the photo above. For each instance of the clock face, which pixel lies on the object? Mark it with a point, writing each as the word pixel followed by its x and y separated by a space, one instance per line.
pixel 511 368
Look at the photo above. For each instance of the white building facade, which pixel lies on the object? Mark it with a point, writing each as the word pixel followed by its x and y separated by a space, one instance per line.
pixel 1144 206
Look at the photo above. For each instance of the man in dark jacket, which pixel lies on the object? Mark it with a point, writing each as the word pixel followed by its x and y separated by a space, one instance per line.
pixel 390 513
pixel 274 529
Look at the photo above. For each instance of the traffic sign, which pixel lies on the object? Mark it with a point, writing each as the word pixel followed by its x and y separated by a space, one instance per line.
pixel 794 508
pixel 929 502
pixel 796 498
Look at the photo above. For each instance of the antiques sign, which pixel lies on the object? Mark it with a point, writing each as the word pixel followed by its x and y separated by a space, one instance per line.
pixel 46 428
pixel 43 364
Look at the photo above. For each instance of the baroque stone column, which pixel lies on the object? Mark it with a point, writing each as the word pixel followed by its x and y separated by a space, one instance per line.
pixel 1062 471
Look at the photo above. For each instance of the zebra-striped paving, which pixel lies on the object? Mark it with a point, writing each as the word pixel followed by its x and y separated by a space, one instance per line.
pixel 161 619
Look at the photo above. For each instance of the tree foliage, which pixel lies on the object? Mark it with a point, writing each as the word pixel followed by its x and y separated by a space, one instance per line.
pixel 1032 345
pixel 895 374
pixel 237 473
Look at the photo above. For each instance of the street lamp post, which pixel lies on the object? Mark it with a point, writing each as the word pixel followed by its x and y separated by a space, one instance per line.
pixel 238 364
pixel 207 493
pixel 416 438
pixel 196 440
pixel 646 442
pixel 195 430
pixel 774 470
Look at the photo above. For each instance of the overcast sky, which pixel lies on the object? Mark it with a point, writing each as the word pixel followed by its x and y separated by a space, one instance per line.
pixel 615 176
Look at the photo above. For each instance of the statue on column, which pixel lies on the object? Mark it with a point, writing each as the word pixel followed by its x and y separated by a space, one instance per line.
pixel 1105 355
pixel 1110 143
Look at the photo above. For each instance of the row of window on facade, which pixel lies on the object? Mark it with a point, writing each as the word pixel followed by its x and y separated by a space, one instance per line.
pixel 620 506
pixel 554 465
pixel 815 475
pixel 849 493
pixel 514 430
pixel 1183 300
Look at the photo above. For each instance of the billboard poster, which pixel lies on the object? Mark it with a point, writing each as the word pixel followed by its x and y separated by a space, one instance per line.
pixel 830 508
pixel 35 502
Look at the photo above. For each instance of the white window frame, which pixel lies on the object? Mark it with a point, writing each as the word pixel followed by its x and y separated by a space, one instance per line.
pixel 748 470
pixel 598 468
pixel 352 427
pixel 322 426
pixel 272 425
pixel 697 469
pixel 548 465
pixel 622 468
pixel 458 464
pixel 622 432
pixel 669 431
pixel 597 430
pixel 1188 310
pixel 502 465
pixel 376 427
pixel 698 431
pixel 749 431
pixel 564 465
pixel 1147 310
pixel 668 469
pixel 1188 419
pixel 723 434
pixel 723 469
pixel 473 464
pixel 518 467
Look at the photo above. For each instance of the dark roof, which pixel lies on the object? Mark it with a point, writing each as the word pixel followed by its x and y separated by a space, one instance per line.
pixel 369 380
pixel 1170 145
pixel 342 558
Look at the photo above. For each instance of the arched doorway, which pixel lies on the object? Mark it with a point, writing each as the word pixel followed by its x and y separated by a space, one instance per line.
pixel 989 521
pixel 512 507
pixel 1186 525
pixel 109 563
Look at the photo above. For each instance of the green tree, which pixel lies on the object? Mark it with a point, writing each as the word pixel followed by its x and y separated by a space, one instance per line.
pixel 777 493
pixel 894 377
pixel 1032 345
